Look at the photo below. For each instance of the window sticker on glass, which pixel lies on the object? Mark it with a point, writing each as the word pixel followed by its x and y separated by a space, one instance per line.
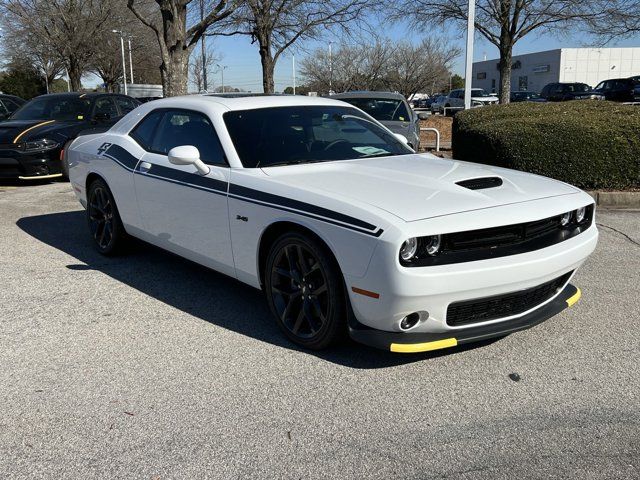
pixel 370 150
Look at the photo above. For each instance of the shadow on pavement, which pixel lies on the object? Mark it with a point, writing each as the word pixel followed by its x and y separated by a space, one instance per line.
pixel 204 293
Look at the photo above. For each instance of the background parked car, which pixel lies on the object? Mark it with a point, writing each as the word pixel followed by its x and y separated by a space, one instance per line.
pixel 619 90
pixel 33 138
pixel 423 102
pixel 438 104
pixel 560 92
pixel 526 97
pixel 479 98
pixel 9 104
pixel 390 109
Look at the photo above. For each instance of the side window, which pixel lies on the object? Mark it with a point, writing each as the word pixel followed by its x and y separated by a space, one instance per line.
pixel 184 127
pixel 10 105
pixel 144 131
pixel 125 104
pixel 105 109
pixel 3 110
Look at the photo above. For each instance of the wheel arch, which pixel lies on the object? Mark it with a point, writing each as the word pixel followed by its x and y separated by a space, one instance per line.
pixel 274 231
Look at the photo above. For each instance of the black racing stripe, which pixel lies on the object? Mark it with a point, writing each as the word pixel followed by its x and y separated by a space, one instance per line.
pixel 122 156
pixel 186 177
pixel 252 194
pixel 192 180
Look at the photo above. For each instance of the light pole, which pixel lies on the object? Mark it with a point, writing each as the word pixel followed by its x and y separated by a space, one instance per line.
pixel 221 67
pixel 293 67
pixel 130 60
pixel 124 66
pixel 468 71
pixel 330 69
pixel 203 52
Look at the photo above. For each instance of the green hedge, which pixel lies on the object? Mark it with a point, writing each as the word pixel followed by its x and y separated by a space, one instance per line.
pixel 590 144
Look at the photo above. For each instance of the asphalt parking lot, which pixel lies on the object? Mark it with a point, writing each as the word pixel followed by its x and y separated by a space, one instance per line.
pixel 148 366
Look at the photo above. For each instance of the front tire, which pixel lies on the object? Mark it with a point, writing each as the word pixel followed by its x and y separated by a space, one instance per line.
pixel 104 220
pixel 305 291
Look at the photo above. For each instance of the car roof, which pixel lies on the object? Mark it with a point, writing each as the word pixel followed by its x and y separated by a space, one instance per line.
pixel 244 102
pixel 369 94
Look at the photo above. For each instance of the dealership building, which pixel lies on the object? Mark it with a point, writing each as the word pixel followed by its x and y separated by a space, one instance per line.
pixel 586 65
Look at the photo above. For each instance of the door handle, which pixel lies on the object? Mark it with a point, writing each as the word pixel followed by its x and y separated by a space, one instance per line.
pixel 144 166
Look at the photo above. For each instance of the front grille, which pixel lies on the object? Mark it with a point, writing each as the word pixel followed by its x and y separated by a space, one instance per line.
pixel 501 306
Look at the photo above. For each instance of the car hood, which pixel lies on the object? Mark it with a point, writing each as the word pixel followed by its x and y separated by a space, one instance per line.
pixel 419 186
pixel 484 99
pixel 11 129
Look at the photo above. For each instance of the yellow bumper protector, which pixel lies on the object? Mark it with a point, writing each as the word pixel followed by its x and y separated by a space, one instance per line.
pixel 573 299
pixel 423 347
pixel 15 140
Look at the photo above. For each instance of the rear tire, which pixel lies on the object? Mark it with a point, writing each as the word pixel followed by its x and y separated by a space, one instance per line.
pixel 305 291
pixel 105 225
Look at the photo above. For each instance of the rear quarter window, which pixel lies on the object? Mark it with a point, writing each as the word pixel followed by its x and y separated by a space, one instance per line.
pixel 143 132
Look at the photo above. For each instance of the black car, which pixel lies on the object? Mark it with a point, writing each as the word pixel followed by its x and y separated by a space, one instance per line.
pixel 33 138
pixel 516 97
pixel 9 104
pixel 560 92
pixel 620 90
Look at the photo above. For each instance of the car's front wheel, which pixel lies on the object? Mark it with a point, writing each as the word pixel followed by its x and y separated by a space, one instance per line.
pixel 305 291
pixel 104 220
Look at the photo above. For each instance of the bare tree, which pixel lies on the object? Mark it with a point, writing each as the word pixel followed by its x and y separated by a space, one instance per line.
pixel 65 27
pixel 169 22
pixel 276 25
pixel 197 71
pixel 107 59
pixel 501 22
pixel 381 65
pixel 613 19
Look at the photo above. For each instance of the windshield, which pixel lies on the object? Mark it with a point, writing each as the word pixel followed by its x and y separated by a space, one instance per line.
pixel 307 134
pixel 382 109
pixel 64 109
pixel 479 92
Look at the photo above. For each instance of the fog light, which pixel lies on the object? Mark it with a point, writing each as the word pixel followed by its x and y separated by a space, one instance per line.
pixel 580 214
pixel 410 321
pixel 408 249
pixel 564 220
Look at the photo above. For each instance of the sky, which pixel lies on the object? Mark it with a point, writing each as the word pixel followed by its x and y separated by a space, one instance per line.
pixel 243 62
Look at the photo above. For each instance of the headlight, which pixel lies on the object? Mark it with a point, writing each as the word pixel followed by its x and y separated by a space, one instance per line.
pixel 565 219
pixel 40 145
pixel 580 214
pixel 432 244
pixel 409 249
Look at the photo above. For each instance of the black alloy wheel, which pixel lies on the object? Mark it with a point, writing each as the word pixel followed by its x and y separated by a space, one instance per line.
pixel 104 220
pixel 305 291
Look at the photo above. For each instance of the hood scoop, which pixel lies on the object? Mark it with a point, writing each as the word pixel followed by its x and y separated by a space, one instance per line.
pixel 480 183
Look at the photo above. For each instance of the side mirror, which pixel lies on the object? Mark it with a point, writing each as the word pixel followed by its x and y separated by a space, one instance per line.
pixel 188 155
pixel 402 138
pixel 423 115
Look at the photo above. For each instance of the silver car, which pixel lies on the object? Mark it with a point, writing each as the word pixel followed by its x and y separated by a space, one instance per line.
pixel 390 109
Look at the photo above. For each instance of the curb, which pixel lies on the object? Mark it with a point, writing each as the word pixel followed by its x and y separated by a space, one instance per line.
pixel 616 199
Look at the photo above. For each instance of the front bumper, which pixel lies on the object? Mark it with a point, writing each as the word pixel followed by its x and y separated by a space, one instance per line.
pixel 426 341
pixel 29 166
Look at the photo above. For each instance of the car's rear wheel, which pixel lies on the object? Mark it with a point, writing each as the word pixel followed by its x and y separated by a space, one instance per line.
pixel 104 220
pixel 305 291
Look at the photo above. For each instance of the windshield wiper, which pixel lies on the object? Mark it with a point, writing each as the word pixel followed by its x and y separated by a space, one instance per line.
pixel 292 162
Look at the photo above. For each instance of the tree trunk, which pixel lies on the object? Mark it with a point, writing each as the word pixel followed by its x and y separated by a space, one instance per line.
pixel 75 74
pixel 174 72
pixel 268 64
pixel 505 73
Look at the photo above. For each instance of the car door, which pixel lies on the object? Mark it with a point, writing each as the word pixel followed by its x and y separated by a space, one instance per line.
pixel 181 210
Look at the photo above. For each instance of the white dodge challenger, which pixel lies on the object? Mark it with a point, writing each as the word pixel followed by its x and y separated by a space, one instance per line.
pixel 342 225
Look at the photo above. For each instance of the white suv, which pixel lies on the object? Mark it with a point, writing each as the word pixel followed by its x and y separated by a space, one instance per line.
pixel 479 98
